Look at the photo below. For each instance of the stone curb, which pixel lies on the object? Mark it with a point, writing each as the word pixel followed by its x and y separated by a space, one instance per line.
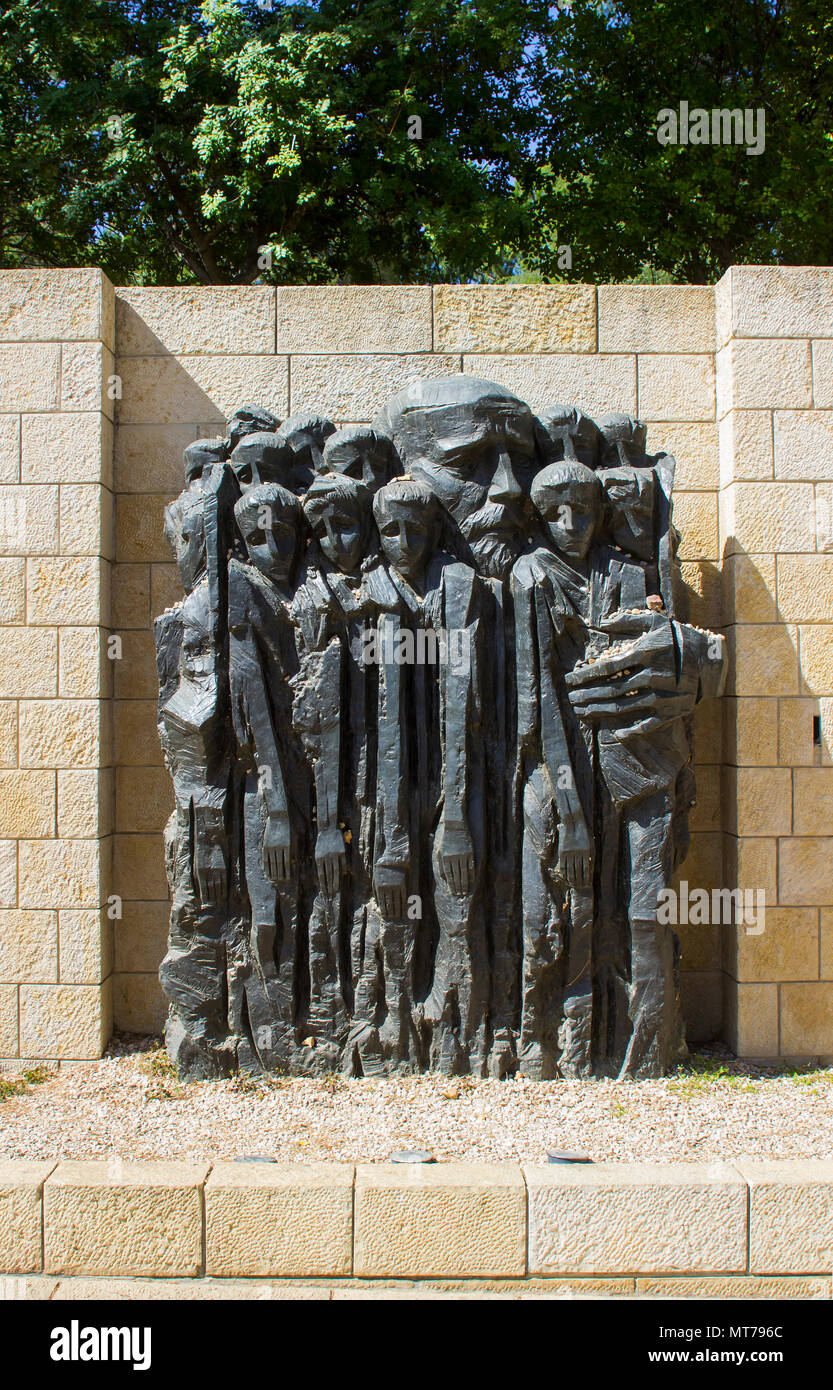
pixel 644 1229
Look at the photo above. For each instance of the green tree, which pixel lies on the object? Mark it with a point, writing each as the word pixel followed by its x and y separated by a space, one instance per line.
pixel 226 141
pixel 632 207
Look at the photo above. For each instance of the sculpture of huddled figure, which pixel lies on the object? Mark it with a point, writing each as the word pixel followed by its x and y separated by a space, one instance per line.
pixel 427 708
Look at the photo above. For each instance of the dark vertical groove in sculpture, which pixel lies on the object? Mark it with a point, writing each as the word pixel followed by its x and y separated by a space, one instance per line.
pixel 427 708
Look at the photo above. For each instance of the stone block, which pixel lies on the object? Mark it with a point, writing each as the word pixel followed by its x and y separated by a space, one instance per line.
pixel 790 1215
pixel 67 591
pixel 9 449
pixel 28 520
pixel 191 389
pixel 695 516
pixel 826 943
pixel 695 449
pixel 12 590
pixel 703 865
pixel 354 319
pixel 707 811
pixel 86 519
pixel 21 1202
pixel 752 1019
pixel 765 374
pixel 597 382
pixel 752 731
pixel 805 588
pixel 746 450
pixel 8 733
pixel 759 801
pixel 29 376
pixel 656 318
pixel 823 375
pixel 786 949
pixel 165 587
pixel 805 871
pixel 636 1218
pixel 515 318
pixel 459 1220
pixel 781 301
pixel 141 937
pixel 816 664
pixel 28 946
pixel 701 1000
pixel 87 371
pixel 144 798
pixel 50 305
pixel 148 458
pixel 796 731
pixel 676 386
pixel 804 445
pixel 135 675
pixel 139 528
pixel 66 448
pixel 27 804
pixel 73 1021
pixel 8 1021
pixel 749 589
pixel 61 733
pixel 753 864
pixel 768 517
pixel 139 866
pixel 813 801
pixel 708 731
pixel 124 1219
pixel 30 662
pixel 702 593
pixel 85 671
pixel 229 319
pixel 85 938
pixel 8 873
pixel 763 659
pixel 742 1286
pixel 355 387
pixel 287 1219
pixel 135 734
pixel 85 797
pixel 131 596
pixel 139 1006
pixel 61 873
pixel 807 1023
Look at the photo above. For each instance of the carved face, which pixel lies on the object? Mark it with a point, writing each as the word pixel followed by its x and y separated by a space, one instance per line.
pixel 341 531
pixel 262 458
pixel 409 535
pixel 272 539
pixel 572 514
pixel 363 456
pixel 480 460
pixel 197 656
pixel 185 532
pixel 630 499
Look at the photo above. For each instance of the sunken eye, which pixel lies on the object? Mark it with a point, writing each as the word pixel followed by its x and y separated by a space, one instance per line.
pixel 257 537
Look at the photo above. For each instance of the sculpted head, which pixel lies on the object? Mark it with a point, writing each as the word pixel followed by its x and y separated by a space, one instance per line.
pixel 630 494
pixel 474 444
pixel 574 435
pixel 197 656
pixel 361 453
pixel 250 419
pixel 569 498
pixel 185 533
pixel 409 520
pixel 338 513
pixel 305 434
pixel 623 440
pixel 271 521
pixel 201 454
pixel 262 458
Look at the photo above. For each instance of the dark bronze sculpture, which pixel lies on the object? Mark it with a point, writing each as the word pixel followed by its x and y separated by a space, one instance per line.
pixel 427 708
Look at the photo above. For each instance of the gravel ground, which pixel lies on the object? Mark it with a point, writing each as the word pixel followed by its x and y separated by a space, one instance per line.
pixel 129 1106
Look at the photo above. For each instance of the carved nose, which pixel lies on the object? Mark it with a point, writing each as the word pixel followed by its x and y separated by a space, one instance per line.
pixel 505 486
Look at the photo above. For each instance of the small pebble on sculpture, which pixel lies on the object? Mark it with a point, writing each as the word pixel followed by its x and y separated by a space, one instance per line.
pixel 427 709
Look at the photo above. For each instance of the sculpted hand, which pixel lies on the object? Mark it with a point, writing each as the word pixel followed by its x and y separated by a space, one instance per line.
pixel 210 873
pixel 455 852
pixel 575 855
pixel 276 857
pixel 330 857
pixel 389 887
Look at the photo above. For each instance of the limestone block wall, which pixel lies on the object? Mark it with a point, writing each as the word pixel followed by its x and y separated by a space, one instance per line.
pixel 775 410
pixel 56 549
pixel 738 390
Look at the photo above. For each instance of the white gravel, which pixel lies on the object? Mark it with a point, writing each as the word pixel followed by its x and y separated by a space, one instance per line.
pixel 126 1106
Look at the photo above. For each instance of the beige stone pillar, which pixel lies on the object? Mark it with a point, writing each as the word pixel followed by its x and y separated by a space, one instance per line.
pixel 56 444
pixel 775 411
